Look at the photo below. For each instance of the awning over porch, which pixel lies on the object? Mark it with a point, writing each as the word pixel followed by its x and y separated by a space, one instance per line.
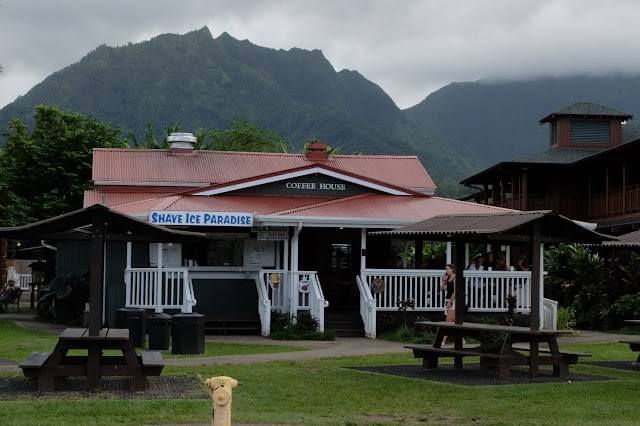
pixel 534 227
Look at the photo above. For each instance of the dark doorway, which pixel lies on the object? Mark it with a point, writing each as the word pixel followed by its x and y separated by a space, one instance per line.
pixel 335 254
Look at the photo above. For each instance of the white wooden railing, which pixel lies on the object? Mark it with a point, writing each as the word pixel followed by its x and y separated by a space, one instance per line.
pixel 367 309
pixel 264 305
pixel 293 291
pixel 549 314
pixel 174 290
pixel 486 291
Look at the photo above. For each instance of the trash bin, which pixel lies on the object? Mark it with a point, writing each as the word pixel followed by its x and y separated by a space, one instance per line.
pixel 134 320
pixel 159 331
pixel 187 334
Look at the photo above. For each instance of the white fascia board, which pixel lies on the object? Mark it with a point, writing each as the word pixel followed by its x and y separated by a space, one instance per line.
pixel 332 222
pixel 300 173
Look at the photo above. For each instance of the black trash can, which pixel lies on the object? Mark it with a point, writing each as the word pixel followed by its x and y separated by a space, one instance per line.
pixel 187 334
pixel 159 331
pixel 135 320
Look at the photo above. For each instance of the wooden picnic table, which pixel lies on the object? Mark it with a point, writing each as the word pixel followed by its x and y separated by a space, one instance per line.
pixel 47 366
pixel 501 353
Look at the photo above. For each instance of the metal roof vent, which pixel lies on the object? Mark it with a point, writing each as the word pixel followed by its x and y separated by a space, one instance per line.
pixel 181 143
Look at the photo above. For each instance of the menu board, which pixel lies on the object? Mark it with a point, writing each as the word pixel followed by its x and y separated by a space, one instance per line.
pixel 259 253
pixel 171 254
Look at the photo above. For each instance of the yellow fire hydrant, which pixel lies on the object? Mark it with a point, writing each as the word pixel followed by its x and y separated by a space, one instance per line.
pixel 222 388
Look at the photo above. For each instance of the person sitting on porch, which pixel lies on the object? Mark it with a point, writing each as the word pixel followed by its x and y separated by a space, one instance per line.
pixel 10 293
pixel 501 263
pixel 522 264
pixel 476 265
pixel 489 261
pixel 449 287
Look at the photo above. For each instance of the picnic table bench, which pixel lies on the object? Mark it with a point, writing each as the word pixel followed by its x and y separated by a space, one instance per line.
pixel 501 355
pixel 634 344
pixel 46 366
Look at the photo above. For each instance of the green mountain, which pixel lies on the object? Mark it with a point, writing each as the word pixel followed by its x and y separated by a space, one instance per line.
pixel 200 81
pixel 498 121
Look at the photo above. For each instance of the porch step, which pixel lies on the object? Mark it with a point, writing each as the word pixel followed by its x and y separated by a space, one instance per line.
pixel 344 324
pixel 232 324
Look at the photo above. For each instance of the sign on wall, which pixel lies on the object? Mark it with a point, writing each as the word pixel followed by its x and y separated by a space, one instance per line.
pixel 200 218
pixel 271 233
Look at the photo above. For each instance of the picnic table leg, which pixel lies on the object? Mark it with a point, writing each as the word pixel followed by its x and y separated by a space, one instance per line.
pixel 137 382
pixel 93 365
pixel 534 355
pixel 430 361
pixel 437 340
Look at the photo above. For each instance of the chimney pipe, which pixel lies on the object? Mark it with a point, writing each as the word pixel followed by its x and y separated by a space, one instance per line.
pixel 181 143
pixel 317 151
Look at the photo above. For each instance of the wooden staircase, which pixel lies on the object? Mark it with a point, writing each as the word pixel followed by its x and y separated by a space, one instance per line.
pixel 232 324
pixel 344 324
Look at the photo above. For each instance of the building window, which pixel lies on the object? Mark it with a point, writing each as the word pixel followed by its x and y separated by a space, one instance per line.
pixel 554 133
pixel 590 131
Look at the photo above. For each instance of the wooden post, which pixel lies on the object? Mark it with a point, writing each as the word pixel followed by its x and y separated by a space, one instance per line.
pixel 536 275
pixel 96 274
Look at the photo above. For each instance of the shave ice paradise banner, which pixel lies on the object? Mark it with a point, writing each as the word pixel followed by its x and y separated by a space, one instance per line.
pixel 164 217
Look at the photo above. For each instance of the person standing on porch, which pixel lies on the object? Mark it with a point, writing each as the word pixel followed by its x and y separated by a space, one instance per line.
pixel 449 287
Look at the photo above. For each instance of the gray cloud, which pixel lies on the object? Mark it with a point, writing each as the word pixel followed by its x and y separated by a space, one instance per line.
pixel 409 48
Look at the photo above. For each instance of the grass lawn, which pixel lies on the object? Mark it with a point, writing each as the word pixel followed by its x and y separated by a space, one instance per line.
pixel 17 343
pixel 323 392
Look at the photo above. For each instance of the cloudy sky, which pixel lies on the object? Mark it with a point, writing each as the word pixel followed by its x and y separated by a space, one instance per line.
pixel 410 47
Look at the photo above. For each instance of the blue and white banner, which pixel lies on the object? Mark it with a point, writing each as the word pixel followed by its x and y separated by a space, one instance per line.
pixel 200 218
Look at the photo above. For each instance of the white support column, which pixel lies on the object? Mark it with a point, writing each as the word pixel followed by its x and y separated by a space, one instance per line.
pixel 449 253
pixel 285 267
pixel 159 281
pixel 293 288
pixel 507 255
pixel 127 276
pixel 466 256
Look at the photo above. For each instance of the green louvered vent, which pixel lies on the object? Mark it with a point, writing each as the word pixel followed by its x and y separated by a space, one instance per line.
pixel 554 133
pixel 590 131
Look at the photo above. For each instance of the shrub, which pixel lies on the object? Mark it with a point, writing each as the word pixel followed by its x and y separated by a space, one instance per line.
pixel 302 327
pixel 566 318
pixel 627 307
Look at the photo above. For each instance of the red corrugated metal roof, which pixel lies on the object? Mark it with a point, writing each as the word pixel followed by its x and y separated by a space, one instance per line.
pixel 359 206
pixel 211 167
pixel 110 199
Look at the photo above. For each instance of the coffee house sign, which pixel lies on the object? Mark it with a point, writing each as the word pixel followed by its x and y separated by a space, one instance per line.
pixel 316 186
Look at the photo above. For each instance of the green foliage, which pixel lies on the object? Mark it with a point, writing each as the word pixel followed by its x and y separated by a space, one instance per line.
pixel 67 295
pixel 243 136
pixel 566 318
pixel 627 307
pixel 302 327
pixel 45 173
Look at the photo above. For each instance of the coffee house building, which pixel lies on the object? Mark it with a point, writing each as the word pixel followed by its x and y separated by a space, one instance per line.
pixel 284 232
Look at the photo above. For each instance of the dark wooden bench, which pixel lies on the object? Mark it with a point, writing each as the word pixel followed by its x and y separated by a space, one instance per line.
pixel 634 345
pixel 32 366
pixel 430 355
pixel 152 363
pixel 560 370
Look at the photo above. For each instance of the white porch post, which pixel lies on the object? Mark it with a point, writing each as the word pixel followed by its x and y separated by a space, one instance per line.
pixel 466 256
pixel 449 253
pixel 507 255
pixel 285 267
pixel 159 281
pixel 127 275
pixel 293 289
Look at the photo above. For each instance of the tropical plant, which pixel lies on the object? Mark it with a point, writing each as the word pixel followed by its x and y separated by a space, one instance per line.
pixel 64 298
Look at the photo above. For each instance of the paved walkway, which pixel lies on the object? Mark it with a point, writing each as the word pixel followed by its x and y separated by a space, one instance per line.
pixel 341 347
